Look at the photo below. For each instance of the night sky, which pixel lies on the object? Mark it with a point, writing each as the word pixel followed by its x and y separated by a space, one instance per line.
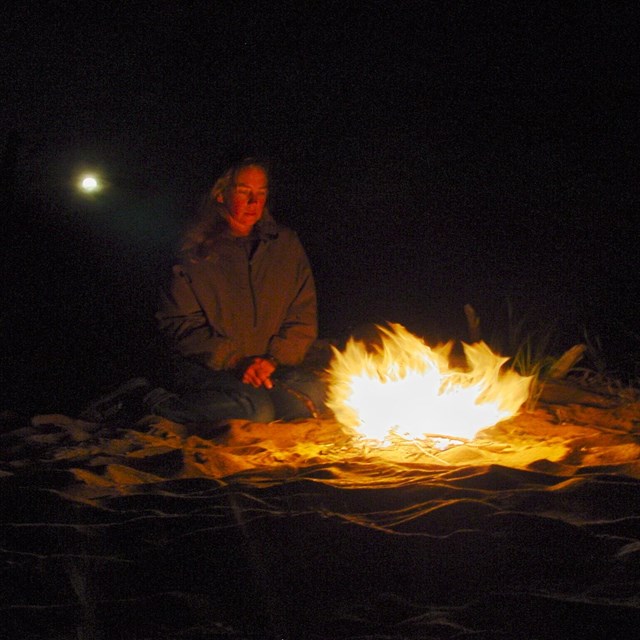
pixel 430 155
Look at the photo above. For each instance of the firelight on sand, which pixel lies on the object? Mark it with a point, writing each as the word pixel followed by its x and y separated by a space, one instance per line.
pixel 403 388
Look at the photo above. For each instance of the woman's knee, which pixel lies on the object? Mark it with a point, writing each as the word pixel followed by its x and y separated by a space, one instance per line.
pixel 219 395
pixel 299 394
pixel 258 404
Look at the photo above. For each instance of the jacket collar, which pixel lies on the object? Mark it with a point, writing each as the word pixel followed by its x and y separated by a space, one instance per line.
pixel 267 227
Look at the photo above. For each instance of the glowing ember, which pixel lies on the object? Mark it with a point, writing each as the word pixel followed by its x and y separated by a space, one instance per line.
pixel 405 388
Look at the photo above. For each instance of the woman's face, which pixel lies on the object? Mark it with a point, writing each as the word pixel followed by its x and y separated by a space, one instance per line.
pixel 245 199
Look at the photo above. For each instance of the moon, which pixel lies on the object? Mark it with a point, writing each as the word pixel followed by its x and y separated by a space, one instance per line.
pixel 89 183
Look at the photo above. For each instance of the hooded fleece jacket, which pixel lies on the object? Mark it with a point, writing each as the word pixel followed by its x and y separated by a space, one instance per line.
pixel 246 298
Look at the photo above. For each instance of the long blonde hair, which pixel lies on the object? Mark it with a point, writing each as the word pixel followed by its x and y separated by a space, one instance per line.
pixel 210 221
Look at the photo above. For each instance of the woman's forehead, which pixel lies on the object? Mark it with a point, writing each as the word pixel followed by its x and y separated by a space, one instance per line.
pixel 252 175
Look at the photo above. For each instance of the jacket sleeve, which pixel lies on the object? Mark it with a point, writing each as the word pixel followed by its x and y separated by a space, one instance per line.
pixel 300 327
pixel 184 327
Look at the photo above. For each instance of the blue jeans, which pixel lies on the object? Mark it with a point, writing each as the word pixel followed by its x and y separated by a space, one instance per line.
pixel 203 395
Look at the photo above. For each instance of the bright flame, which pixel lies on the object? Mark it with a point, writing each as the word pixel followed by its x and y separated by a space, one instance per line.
pixel 406 388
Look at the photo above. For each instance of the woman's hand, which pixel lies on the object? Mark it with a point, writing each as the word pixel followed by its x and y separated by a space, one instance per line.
pixel 258 372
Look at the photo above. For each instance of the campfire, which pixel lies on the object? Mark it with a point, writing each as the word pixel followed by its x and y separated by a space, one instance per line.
pixel 401 388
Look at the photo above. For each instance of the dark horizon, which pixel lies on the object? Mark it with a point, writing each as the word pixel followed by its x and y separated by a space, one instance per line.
pixel 429 157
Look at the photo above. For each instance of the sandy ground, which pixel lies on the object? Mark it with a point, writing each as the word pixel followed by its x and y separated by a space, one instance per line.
pixel 159 530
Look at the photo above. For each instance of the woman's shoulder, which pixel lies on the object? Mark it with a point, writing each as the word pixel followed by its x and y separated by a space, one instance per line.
pixel 277 230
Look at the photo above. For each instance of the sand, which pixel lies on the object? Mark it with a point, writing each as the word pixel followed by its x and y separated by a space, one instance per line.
pixel 290 531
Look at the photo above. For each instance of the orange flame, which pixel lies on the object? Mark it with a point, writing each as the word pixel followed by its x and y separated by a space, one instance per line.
pixel 404 387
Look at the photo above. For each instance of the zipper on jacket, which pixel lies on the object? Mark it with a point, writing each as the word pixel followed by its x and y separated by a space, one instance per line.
pixel 253 295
